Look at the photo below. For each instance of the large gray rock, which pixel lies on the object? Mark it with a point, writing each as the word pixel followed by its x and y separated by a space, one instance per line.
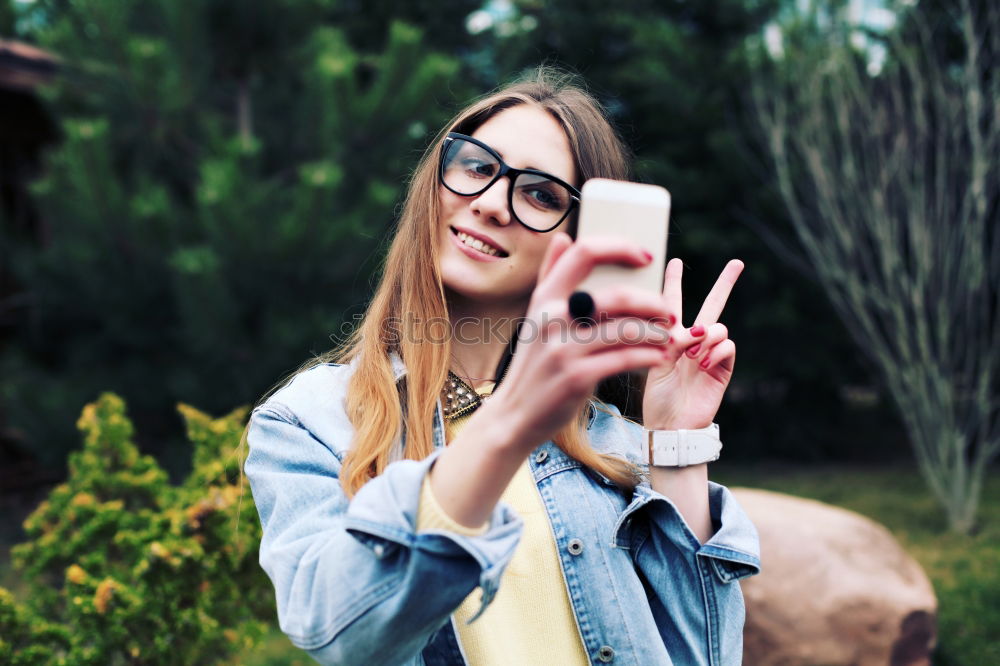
pixel 835 589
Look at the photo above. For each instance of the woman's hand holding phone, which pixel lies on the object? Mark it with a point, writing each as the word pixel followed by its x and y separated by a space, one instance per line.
pixel 556 368
pixel 559 361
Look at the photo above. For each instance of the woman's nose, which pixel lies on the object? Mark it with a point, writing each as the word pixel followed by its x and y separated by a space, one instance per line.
pixel 494 203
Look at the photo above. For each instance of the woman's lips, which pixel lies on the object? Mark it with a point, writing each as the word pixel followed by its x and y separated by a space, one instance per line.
pixel 482 238
pixel 472 252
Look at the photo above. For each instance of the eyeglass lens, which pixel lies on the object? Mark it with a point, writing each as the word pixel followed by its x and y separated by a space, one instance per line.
pixel 538 202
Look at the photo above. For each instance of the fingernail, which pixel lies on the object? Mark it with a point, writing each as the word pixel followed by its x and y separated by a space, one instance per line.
pixel 704 363
pixel 693 351
pixel 648 255
pixel 697 331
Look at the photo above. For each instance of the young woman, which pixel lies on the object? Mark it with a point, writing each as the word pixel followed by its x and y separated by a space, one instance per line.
pixel 446 489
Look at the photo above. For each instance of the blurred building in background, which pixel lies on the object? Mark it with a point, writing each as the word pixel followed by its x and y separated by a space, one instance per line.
pixel 26 129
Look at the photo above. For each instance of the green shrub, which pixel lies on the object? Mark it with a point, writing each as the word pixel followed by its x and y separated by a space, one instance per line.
pixel 123 567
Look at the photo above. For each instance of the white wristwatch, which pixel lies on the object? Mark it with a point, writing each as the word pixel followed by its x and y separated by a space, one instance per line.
pixel 680 448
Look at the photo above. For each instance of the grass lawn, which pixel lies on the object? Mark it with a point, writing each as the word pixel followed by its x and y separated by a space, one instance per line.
pixel 965 570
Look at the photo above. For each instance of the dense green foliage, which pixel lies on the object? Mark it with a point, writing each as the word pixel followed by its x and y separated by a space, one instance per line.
pixel 229 172
pixel 215 209
pixel 122 567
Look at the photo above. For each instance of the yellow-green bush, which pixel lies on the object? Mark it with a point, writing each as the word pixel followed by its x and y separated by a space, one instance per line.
pixel 123 567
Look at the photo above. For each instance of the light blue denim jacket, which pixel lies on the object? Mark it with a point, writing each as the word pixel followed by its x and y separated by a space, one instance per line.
pixel 356 584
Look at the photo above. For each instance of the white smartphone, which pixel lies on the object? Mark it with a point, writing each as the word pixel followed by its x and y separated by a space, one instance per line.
pixel 633 211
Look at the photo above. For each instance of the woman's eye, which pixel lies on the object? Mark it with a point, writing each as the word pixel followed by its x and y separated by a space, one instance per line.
pixel 542 197
pixel 476 167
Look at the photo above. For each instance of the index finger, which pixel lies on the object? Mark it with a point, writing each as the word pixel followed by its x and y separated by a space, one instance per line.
pixel 559 244
pixel 580 258
pixel 715 302
pixel 672 288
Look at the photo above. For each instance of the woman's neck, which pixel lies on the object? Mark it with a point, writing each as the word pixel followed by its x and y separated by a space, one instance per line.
pixel 481 333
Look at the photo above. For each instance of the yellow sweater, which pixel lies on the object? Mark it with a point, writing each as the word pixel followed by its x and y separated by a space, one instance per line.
pixel 530 620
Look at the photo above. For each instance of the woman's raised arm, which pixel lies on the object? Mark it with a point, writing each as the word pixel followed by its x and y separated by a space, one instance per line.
pixel 557 365
pixel 354 581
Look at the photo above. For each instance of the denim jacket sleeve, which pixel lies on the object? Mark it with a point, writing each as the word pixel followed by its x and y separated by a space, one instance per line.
pixel 692 588
pixel 354 581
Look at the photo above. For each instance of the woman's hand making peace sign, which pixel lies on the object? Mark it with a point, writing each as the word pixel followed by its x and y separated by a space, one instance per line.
pixel 685 392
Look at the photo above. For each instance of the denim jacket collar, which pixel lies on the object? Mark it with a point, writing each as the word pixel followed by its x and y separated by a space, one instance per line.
pixel 398 372
pixel 398 367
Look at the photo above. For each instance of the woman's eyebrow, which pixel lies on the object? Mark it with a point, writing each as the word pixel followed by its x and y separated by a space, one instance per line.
pixel 551 174
pixel 530 166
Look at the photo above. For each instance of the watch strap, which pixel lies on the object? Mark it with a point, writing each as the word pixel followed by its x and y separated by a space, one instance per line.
pixel 680 448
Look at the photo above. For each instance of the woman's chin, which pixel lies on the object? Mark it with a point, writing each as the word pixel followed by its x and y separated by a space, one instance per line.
pixel 484 293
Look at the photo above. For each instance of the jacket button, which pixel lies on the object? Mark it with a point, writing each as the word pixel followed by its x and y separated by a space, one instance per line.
pixel 575 547
pixel 541 457
pixel 605 654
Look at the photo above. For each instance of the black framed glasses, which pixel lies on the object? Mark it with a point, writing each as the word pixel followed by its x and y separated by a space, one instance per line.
pixel 538 200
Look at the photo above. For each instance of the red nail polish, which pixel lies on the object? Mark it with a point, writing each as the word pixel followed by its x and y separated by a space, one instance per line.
pixel 694 350
pixel 704 363
pixel 697 331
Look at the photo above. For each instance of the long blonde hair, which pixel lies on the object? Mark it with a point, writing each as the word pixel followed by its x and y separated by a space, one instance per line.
pixel 411 291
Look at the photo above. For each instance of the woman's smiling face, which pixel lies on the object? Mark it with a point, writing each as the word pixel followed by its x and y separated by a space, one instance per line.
pixel 526 137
